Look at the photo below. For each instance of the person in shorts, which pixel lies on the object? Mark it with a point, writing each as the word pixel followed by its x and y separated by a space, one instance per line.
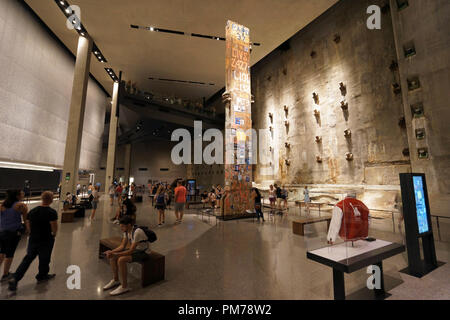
pixel 12 211
pixel 161 198
pixel 180 201
pixel 133 248
pixel 272 198
pixel 95 200
pixel 112 193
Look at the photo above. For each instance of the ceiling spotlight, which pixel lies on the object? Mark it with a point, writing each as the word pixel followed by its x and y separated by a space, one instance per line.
pixel 82 34
pixel 152 29
pixel 68 11
pixel 95 52
pixel 74 21
pixel 78 28
pixel 62 3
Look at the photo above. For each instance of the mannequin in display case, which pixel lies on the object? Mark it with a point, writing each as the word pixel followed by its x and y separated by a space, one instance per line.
pixel 350 220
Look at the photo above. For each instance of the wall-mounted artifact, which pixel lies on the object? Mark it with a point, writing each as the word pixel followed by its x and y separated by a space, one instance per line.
pixel 285 71
pixel 318 139
pixel 348 133
pixel 343 89
pixel 402 122
pixel 337 38
pixel 316 113
pixel 402 4
pixel 271 117
pixel 287 145
pixel 316 98
pixel 422 153
pixel 313 54
pixel 413 83
pixel 286 109
pixel 344 105
pixel 396 88
pixel 417 110
pixel 270 149
pixel 288 162
pixel 405 152
pixel 271 129
pixel 319 159
pixel 394 66
pixel 420 134
pixel 409 49
pixel 349 156
pixel 286 123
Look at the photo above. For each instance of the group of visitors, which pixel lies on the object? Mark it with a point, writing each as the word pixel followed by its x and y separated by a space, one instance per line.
pixel 163 198
pixel 212 197
pixel 277 195
pixel 41 226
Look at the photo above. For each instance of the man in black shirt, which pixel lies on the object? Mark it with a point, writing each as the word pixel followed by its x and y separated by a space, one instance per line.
pixel 279 196
pixel 42 226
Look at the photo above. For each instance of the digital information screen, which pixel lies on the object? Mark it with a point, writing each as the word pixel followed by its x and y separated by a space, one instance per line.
pixel 421 208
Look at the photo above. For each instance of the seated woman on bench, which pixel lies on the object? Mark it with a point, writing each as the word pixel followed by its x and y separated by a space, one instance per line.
pixel 137 242
pixel 127 208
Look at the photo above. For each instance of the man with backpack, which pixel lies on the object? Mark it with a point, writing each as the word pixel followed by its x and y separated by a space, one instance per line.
pixel 133 248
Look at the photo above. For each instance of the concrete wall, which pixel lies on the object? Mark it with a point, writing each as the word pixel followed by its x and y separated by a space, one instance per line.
pixel 152 155
pixel 361 61
pixel 426 24
pixel 35 92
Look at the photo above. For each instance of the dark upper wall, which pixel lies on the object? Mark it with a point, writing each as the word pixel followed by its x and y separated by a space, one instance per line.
pixel 290 75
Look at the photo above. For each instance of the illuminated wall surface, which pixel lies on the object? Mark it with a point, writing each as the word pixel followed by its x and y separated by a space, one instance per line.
pixel 35 92
pixel 338 48
pixel 238 173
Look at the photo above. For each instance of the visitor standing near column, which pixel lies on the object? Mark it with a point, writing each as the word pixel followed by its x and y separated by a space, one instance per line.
pixel 180 201
pixel 118 193
pixel 272 198
pixel 13 210
pixel 112 192
pixel 284 197
pixel 279 197
pixel 78 189
pixel 161 197
pixel 307 199
pixel 256 196
pixel 43 226
pixel 96 198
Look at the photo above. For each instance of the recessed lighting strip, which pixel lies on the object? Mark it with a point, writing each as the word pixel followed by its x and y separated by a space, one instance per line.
pixel 155 29
pixel 183 81
pixel 69 13
pixel 112 74
pixel 25 166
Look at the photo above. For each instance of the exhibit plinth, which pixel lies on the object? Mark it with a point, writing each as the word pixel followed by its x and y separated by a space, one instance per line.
pixel 345 258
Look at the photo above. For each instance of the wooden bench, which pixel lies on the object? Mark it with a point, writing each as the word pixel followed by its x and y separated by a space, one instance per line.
pixel 311 204
pixel 152 269
pixel 68 215
pixel 299 224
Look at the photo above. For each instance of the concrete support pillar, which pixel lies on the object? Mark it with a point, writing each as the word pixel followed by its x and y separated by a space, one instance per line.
pixel 127 162
pixel 76 116
pixel 113 123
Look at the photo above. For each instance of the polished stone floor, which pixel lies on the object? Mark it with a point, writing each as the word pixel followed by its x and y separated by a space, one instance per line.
pixel 240 259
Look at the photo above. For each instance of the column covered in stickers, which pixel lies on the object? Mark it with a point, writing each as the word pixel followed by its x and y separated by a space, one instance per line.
pixel 238 122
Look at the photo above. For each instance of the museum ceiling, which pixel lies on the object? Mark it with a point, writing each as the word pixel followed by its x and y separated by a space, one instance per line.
pixel 142 54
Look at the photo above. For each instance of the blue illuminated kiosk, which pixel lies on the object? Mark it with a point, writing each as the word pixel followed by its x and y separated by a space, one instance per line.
pixel 417 218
